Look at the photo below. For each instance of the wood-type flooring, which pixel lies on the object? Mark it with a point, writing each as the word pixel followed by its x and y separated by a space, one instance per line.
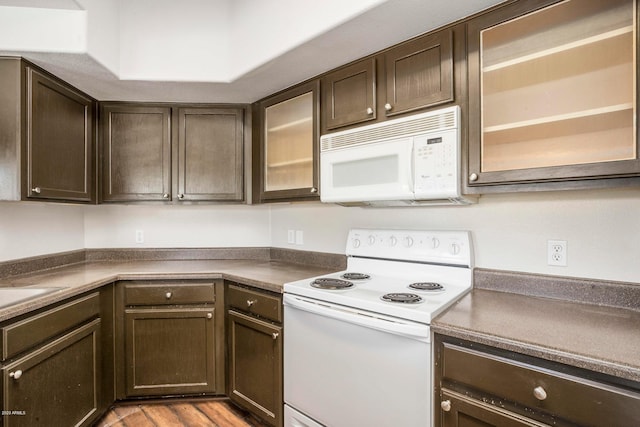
pixel 178 413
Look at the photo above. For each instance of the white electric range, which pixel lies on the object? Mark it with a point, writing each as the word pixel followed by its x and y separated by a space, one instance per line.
pixel 357 343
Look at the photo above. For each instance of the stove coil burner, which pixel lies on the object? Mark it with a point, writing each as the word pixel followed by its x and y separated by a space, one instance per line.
pixel 404 298
pixel 427 286
pixel 355 276
pixel 329 283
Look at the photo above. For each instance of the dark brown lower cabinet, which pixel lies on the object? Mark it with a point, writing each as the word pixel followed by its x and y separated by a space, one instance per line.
pixel 169 338
pixel 170 351
pixel 478 385
pixel 56 384
pixel 255 366
pixel 462 411
pixel 254 351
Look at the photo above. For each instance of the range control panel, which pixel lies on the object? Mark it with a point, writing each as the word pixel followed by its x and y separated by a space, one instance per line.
pixel 434 247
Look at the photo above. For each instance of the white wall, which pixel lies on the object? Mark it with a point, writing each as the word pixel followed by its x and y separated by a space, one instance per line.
pixel 42 30
pixel 114 226
pixel 172 40
pixel 257 34
pixel 510 231
pixel 30 229
pixel 103 32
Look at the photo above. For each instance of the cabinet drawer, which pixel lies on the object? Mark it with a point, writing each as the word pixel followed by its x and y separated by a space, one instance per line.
pixel 20 336
pixel 257 303
pixel 579 400
pixel 169 293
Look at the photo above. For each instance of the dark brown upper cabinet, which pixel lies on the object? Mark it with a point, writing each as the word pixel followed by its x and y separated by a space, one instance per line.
pixel 419 73
pixel 161 152
pixel 210 154
pixel 47 141
pixel 349 95
pixel 411 76
pixel 286 145
pixel 135 152
pixel 552 96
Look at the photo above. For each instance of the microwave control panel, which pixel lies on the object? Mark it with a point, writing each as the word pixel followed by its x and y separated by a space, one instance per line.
pixel 436 164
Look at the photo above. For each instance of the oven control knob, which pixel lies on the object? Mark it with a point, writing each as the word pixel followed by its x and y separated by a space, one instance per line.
pixel 408 241
pixel 435 243
pixel 356 243
pixel 454 249
pixel 372 240
pixel 392 241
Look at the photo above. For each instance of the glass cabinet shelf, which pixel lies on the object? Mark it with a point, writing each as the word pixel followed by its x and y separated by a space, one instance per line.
pixel 558 49
pixel 289 144
pixel 558 87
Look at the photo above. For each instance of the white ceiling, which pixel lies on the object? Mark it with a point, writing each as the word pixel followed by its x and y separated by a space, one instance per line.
pixel 374 29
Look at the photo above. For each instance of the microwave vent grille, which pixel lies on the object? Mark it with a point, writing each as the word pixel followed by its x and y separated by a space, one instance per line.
pixel 390 130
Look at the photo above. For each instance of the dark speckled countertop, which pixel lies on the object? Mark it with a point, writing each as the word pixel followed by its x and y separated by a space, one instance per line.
pixel 584 323
pixel 593 336
pixel 85 276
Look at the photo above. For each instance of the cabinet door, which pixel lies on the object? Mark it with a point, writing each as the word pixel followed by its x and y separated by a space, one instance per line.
pixel 57 384
pixel 459 411
pixel 255 366
pixel 136 153
pixel 419 73
pixel 60 141
pixel 349 95
pixel 170 351
pixel 552 92
pixel 210 154
pixel 288 160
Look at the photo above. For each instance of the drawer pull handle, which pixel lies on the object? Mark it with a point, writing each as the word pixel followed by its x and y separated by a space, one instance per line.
pixel 16 375
pixel 539 393
pixel 36 190
pixel 209 316
pixel 275 335
pixel 168 295
pixel 445 405
pixel 369 111
pixel 388 107
pixel 251 302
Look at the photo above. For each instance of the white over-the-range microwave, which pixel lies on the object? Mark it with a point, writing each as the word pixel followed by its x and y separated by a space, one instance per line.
pixel 409 161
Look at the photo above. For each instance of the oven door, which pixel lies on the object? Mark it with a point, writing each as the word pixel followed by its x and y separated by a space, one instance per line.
pixel 346 367
pixel 368 172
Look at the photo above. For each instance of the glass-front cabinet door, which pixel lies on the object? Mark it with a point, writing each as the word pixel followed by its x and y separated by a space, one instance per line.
pixel 289 144
pixel 553 92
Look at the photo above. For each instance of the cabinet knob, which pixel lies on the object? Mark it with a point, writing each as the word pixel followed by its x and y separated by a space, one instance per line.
pixel 209 316
pixel 314 190
pixel 275 335
pixel 168 295
pixel 165 196
pixel 251 302
pixel 16 375
pixel 369 111
pixel 539 393
pixel 180 196
pixel 473 177
pixel 445 405
pixel 36 190
pixel 388 107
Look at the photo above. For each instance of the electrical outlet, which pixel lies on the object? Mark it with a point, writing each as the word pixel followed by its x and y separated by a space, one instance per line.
pixel 139 236
pixel 291 237
pixel 557 252
pixel 299 237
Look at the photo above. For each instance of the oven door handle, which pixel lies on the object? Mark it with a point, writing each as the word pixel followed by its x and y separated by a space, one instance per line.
pixel 417 331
